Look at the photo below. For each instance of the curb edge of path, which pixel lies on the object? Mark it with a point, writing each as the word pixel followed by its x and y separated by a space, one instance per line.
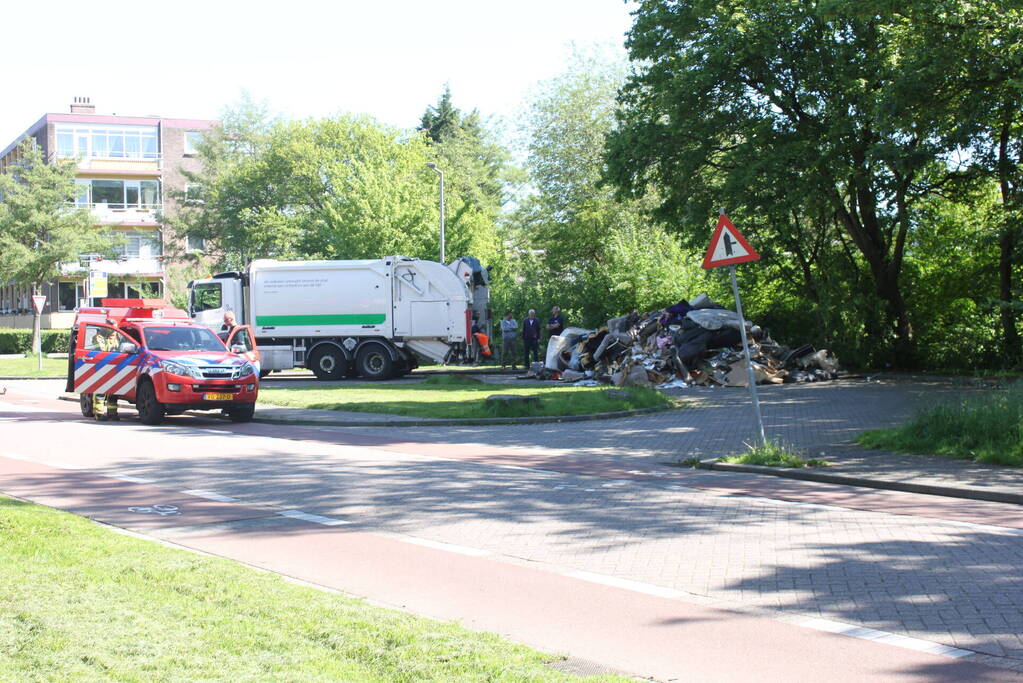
pixel 439 422
pixel 865 482
pixel 467 422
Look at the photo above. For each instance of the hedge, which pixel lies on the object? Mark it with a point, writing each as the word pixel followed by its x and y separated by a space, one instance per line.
pixel 20 341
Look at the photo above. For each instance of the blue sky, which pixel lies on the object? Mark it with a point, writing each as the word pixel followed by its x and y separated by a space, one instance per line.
pixel 389 59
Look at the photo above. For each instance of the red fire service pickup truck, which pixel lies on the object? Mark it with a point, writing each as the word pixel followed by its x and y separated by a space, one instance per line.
pixel 153 355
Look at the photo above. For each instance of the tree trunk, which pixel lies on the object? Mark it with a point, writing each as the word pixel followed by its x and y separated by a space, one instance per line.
pixel 1007 249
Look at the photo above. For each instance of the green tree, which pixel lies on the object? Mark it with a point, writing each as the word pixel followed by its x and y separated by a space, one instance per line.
pixel 801 105
pixel 597 257
pixel 339 188
pixel 39 227
pixel 479 179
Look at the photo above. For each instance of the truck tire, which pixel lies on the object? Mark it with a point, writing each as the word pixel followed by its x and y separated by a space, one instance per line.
pixel 150 410
pixel 242 412
pixel 374 362
pixel 85 401
pixel 328 363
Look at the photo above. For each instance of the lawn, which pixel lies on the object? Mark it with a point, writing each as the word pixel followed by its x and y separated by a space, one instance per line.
pixel 29 367
pixel 448 396
pixel 79 602
pixel 984 427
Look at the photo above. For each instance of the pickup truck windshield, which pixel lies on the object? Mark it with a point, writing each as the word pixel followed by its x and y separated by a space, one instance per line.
pixel 182 339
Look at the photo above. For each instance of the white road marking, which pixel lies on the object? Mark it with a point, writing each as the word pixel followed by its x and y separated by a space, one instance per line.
pixel 885 637
pixel 449 547
pixel 129 478
pixel 525 469
pixel 628 584
pixel 317 519
pixel 210 495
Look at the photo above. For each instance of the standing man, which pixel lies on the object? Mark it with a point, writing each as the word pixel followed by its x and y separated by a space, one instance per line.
pixel 531 336
pixel 230 322
pixel 556 324
pixel 509 337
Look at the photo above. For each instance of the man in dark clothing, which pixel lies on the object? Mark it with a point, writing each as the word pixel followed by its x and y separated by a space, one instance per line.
pixel 531 336
pixel 556 324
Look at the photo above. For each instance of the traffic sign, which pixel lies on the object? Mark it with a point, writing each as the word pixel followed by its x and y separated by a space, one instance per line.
pixel 97 284
pixel 728 246
pixel 39 300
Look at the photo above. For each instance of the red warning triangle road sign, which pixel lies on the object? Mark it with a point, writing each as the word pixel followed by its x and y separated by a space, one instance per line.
pixel 728 246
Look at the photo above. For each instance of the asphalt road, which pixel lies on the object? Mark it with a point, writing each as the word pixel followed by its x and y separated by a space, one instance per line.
pixel 623 564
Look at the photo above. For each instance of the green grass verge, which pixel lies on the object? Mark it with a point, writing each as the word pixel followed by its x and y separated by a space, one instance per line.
pixel 774 454
pixel 81 603
pixel 452 396
pixel 29 367
pixel 983 427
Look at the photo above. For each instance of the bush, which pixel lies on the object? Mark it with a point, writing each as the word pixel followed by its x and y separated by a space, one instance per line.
pixel 20 341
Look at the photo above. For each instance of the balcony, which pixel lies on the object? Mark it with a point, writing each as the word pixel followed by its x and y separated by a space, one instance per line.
pixel 124 265
pixel 122 214
pixel 145 164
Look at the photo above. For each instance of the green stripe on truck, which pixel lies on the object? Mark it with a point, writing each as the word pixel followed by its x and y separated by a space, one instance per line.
pixel 343 319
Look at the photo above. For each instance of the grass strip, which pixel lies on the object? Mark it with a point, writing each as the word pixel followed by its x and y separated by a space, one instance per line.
pixel 29 367
pixel 984 427
pixel 79 602
pixel 455 397
pixel 773 454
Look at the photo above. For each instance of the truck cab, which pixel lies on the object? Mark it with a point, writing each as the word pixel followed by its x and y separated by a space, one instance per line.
pixel 152 355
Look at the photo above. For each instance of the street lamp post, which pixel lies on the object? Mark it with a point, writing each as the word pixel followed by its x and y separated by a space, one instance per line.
pixel 433 167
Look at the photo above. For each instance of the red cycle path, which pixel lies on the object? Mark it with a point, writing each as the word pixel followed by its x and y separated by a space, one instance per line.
pixel 661 638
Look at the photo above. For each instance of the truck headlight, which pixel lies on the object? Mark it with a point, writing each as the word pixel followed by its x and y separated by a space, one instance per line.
pixel 180 369
pixel 246 370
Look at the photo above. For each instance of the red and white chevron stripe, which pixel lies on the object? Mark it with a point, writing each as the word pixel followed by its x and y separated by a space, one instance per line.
pixel 105 380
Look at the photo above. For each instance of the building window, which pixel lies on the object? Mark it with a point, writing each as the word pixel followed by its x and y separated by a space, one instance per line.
pixel 117 194
pixel 143 290
pixel 109 142
pixel 195 243
pixel 142 245
pixel 193 194
pixel 192 140
pixel 67 297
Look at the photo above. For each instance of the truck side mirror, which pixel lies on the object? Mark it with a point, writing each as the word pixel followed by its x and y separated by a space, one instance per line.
pixel 127 347
pixel 238 348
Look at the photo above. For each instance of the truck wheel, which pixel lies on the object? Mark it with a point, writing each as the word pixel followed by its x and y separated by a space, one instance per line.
pixel 85 401
pixel 150 410
pixel 327 362
pixel 264 373
pixel 374 362
pixel 242 412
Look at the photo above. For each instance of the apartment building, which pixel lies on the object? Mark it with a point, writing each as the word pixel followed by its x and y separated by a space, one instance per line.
pixel 128 170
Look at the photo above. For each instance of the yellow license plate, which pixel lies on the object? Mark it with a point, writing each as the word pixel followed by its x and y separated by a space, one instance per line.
pixel 218 397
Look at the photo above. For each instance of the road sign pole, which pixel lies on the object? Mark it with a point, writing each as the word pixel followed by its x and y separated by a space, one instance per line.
pixel 751 377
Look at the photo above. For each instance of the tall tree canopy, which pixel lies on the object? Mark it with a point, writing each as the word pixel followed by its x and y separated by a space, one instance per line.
pixel 577 246
pixel 339 188
pixel 804 118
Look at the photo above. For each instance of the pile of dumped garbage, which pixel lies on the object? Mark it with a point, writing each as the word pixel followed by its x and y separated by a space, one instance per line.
pixel 691 343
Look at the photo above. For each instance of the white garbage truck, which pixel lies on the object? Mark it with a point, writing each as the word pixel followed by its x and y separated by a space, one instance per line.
pixel 369 318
